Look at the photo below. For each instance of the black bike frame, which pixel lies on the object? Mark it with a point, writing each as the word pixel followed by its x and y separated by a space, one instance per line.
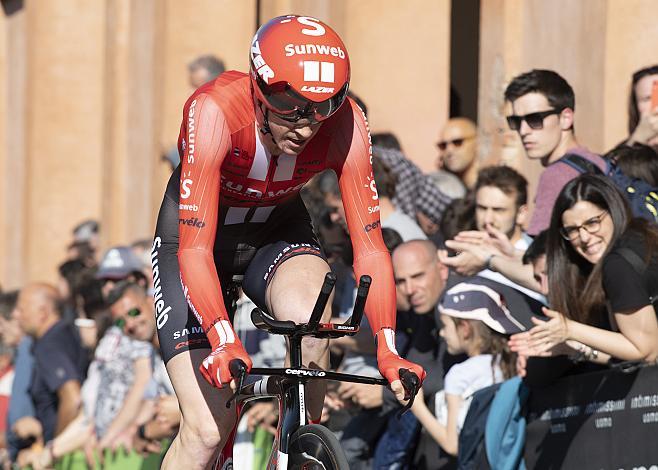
pixel 287 383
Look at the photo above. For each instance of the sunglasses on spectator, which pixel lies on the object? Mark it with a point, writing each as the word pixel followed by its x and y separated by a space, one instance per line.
pixel 534 120
pixel 593 225
pixel 454 142
pixel 132 313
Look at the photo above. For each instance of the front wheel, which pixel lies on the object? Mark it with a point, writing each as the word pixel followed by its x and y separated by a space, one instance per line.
pixel 314 447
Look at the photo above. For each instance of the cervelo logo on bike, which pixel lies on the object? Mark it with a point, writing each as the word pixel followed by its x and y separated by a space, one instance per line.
pixel 307 373
pixel 161 310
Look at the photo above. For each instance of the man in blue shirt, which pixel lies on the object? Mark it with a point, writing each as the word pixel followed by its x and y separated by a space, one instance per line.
pixel 58 358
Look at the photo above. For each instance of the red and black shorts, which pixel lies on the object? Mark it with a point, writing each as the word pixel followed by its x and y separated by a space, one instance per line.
pixel 253 251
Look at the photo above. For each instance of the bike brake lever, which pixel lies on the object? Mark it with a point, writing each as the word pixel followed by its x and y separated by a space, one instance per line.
pixel 238 371
pixel 411 384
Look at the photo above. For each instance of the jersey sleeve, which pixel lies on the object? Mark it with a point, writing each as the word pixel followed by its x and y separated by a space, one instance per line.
pixel 351 159
pixel 206 141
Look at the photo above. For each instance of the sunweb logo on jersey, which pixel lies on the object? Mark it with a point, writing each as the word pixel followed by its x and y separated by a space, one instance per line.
pixel 186 186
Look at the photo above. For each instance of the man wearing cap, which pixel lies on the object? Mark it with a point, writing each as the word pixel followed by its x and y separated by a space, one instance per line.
pixel 120 264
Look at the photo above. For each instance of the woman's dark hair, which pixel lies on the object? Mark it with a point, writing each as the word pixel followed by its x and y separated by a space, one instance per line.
pixel 575 285
pixel 633 112
pixel 637 161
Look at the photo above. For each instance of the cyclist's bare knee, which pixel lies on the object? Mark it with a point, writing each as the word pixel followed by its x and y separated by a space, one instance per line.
pixel 293 290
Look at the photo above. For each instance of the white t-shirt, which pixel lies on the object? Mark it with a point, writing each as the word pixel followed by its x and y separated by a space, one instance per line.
pixel 464 379
pixel 404 225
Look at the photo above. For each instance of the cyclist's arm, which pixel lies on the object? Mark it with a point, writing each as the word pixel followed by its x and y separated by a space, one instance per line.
pixel 361 202
pixel 207 140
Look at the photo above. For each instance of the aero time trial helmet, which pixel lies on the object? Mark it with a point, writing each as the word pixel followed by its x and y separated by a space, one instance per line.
pixel 299 68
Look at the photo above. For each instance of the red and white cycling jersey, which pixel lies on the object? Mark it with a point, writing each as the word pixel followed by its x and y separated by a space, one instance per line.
pixel 226 170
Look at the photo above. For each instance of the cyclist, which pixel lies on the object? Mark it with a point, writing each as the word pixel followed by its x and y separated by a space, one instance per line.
pixel 248 143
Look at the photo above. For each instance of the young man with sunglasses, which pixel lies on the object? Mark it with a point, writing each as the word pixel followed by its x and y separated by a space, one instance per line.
pixel 543 105
pixel 248 143
pixel 458 150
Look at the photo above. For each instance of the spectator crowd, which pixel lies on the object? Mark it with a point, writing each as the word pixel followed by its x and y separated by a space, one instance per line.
pixel 488 291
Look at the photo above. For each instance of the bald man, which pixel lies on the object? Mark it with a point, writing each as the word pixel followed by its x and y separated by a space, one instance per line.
pixel 58 358
pixel 419 276
pixel 420 279
pixel 458 150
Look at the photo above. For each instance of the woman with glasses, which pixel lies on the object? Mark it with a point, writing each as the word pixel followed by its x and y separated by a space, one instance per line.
pixel 603 275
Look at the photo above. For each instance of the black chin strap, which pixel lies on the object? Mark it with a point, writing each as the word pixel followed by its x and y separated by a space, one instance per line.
pixel 265 128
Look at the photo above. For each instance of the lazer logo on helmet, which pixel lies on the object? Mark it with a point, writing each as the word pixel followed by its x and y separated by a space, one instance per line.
pixel 303 49
pixel 261 67
pixel 317 89
pixel 195 222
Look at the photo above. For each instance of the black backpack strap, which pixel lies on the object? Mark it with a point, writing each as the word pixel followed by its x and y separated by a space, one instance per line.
pixel 580 163
pixel 638 264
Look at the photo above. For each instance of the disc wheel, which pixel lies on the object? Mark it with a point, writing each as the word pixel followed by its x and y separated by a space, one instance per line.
pixel 314 447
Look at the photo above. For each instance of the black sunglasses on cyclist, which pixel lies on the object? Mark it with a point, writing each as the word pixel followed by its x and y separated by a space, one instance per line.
pixel 534 120
pixel 285 103
pixel 454 142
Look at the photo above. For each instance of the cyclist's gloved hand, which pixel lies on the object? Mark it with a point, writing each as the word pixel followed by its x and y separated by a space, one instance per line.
pixel 390 363
pixel 226 347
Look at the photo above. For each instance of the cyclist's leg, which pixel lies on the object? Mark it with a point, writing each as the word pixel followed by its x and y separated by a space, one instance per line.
pixel 291 295
pixel 206 420
pixel 284 278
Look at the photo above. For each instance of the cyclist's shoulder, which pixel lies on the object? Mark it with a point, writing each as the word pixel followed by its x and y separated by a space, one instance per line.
pixel 340 130
pixel 228 97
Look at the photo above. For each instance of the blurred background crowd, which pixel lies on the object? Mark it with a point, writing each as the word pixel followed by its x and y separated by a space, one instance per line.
pixel 482 236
